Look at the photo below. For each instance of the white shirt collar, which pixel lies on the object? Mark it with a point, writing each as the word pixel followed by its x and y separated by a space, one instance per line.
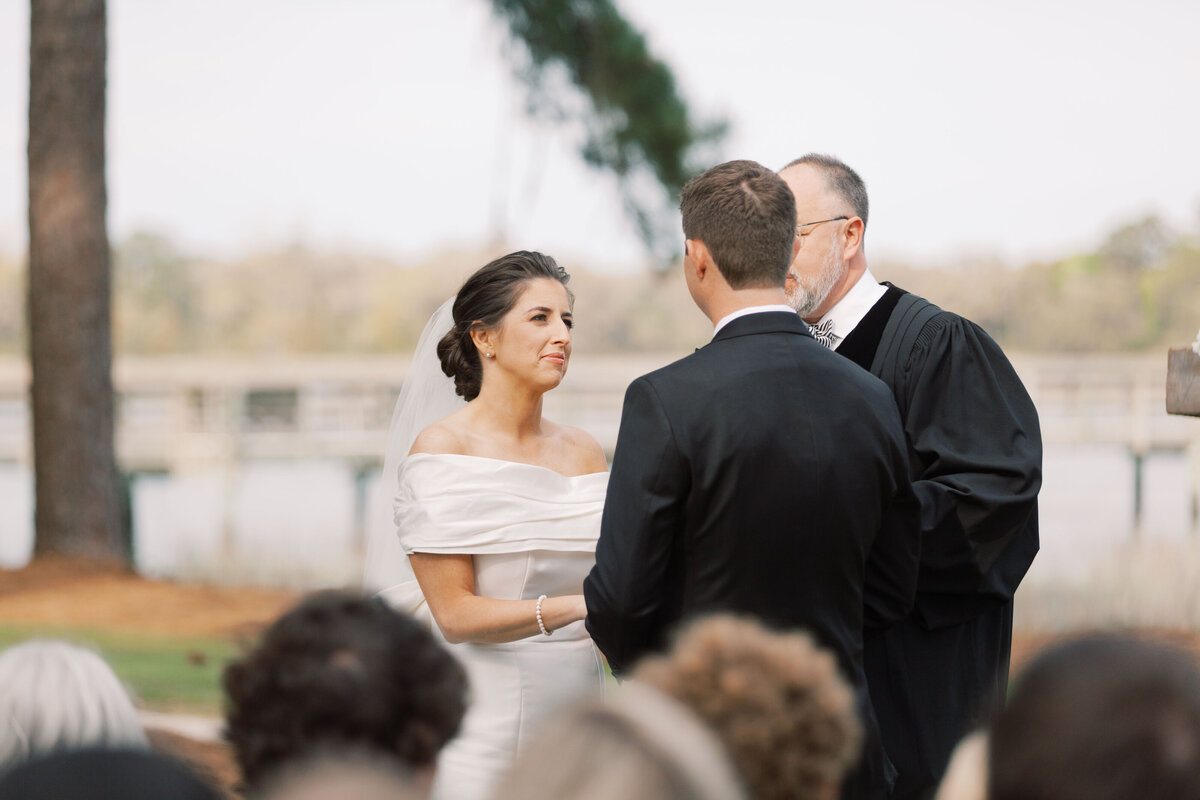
pixel 742 312
pixel 850 310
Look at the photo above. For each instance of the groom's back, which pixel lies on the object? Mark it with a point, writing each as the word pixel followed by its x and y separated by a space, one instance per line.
pixel 796 459
pixel 762 474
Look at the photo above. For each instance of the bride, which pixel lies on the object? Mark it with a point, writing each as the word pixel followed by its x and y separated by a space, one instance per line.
pixel 498 511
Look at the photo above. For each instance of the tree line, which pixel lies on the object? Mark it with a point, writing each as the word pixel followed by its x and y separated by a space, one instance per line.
pixel 1139 290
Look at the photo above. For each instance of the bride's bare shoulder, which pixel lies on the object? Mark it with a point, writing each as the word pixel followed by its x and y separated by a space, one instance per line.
pixel 584 447
pixel 441 438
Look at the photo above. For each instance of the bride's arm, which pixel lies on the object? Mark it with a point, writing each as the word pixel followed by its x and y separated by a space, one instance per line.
pixel 448 583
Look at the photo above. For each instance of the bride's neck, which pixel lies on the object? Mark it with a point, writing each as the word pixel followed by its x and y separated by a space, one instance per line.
pixel 510 411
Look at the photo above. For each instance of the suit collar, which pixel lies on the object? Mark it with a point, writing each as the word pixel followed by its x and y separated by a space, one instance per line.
pixel 742 312
pixel 765 322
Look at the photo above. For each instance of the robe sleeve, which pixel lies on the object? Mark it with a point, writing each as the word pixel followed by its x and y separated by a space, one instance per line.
pixel 892 568
pixel 627 607
pixel 976 453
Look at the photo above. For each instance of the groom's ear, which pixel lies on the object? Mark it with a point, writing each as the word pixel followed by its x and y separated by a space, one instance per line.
pixel 697 257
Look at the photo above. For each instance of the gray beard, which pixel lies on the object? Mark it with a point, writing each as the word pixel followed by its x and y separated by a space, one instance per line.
pixel 807 300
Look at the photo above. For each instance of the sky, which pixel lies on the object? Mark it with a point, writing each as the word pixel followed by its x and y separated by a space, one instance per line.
pixel 1019 130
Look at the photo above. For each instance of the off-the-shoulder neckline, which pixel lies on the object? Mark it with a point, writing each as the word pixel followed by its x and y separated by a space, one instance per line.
pixel 505 462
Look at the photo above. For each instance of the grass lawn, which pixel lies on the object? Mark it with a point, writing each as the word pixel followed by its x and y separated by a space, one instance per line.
pixel 164 673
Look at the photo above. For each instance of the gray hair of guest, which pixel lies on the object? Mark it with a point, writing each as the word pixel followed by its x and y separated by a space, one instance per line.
pixel 842 180
pixel 639 745
pixel 55 696
pixel 341 771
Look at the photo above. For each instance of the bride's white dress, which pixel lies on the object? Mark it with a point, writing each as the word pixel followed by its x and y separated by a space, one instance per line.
pixel 531 532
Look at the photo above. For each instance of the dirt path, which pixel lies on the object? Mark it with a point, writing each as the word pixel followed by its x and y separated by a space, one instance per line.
pixel 59 594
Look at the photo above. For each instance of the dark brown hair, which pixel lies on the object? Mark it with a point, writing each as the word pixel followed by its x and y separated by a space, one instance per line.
pixel 341 670
pixel 482 302
pixel 1103 717
pixel 746 215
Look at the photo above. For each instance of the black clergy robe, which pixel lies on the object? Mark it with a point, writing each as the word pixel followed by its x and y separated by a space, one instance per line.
pixel 975 457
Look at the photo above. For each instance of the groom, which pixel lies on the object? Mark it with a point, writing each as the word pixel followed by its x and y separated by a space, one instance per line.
pixel 762 474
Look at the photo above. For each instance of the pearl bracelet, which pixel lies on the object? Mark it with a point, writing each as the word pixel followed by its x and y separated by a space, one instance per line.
pixel 542 625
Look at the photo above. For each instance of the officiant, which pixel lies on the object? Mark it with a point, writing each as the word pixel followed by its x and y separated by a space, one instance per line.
pixel 975 455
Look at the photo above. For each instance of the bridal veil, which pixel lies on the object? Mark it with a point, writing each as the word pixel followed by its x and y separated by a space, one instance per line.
pixel 426 396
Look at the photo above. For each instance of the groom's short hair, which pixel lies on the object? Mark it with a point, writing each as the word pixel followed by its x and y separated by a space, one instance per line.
pixel 746 215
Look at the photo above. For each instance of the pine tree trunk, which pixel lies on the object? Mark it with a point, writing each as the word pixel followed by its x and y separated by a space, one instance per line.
pixel 78 508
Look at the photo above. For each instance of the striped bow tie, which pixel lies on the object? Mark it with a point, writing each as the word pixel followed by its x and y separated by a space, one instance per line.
pixel 824 334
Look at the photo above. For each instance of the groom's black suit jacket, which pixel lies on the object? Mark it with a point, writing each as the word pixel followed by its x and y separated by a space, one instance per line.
pixel 763 474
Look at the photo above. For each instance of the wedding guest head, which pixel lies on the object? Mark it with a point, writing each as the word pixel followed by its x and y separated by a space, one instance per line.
pixel 58 696
pixel 1103 717
pixel 966 774
pixel 490 324
pixel 102 775
pixel 741 217
pixel 640 745
pixel 776 700
pixel 340 772
pixel 343 670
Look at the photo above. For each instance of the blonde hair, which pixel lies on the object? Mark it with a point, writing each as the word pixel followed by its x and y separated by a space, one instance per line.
pixel 776 700
pixel 59 696
pixel 641 745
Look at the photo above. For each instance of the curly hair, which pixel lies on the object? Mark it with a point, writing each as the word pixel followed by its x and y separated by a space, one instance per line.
pixel 340 669
pixel 776 701
pixel 482 302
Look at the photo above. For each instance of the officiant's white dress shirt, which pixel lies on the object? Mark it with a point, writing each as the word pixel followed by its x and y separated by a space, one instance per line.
pixel 850 310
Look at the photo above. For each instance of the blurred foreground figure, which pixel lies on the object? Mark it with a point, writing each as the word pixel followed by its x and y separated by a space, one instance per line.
pixel 340 773
pixel 1100 718
pixel 975 456
pixel 966 775
pixel 641 745
pixel 340 670
pixel 60 696
pixel 776 700
pixel 104 775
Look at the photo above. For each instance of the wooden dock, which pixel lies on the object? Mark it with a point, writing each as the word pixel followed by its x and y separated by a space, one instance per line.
pixel 181 414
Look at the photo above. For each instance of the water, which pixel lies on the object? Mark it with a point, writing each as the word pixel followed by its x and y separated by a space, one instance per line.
pixel 300 524
pixel 1087 507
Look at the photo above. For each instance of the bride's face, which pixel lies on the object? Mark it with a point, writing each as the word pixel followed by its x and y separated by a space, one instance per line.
pixel 533 341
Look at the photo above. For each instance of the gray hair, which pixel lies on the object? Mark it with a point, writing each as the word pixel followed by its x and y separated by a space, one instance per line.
pixel 340 771
pixel 842 181
pixel 60 696
pixel 640 745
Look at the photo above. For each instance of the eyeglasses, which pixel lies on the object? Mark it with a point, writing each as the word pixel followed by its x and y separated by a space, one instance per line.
pixel 800 232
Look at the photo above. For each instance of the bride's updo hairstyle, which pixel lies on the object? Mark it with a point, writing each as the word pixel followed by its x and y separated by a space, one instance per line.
pixel 481 303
